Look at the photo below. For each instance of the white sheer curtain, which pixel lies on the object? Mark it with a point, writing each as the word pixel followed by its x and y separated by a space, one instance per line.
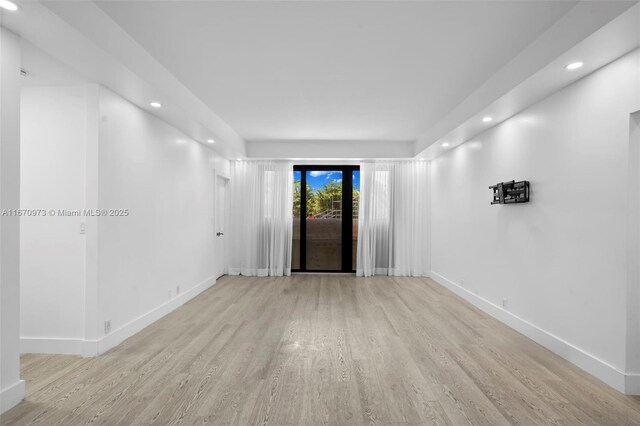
pixel 261 218
pixel 393 222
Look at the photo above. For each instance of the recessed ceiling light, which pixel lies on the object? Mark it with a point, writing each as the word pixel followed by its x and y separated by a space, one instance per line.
pixel 445 144
pixel 211 141
pixel 239 159
pixel 8 5
pixel 486 119
pixel 156 104
pixel 574 65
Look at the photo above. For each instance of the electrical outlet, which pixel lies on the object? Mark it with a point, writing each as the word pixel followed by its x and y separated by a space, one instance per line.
pixel 177 290
pixel 83 229
pixel 504 303
pixel 107 327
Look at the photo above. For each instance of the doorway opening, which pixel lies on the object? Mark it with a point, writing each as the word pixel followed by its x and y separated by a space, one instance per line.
pixel 325 218
pixel 221 209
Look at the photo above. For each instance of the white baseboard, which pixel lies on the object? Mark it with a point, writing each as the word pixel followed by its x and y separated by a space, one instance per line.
pixel 248 272
pixel 132 327
pixel 11 396
pixel 89 348
pixel 625 383
pixel 51 345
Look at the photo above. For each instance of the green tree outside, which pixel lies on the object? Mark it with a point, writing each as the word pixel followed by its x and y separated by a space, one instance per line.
pixel 325 199
pixel 296 197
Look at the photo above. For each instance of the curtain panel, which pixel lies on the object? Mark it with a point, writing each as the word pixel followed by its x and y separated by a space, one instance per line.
pixel 261 218
pixel 393 221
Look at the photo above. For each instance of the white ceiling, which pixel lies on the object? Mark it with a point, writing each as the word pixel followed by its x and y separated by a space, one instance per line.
pixel 612 41
pixel 321 79
pixel 335 71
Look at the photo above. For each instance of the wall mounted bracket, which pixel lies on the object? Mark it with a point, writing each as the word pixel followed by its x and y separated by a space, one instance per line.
pixel 510 192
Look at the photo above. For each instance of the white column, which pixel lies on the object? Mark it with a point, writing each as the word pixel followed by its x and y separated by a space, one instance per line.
pixel 11 387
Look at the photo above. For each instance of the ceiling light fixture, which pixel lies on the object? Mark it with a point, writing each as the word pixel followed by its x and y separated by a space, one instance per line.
pixel 156 104
pixel 8 5
pixel 445 144
pixel 211 141
pixel 574 66
pixel 486 119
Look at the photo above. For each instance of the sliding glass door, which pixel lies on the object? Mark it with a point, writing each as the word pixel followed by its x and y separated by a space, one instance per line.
pixel 325 216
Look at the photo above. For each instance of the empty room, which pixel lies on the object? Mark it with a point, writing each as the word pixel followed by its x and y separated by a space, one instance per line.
pixel 319 212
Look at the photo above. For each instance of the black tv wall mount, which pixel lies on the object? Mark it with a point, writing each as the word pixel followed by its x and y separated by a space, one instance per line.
pixel 510 192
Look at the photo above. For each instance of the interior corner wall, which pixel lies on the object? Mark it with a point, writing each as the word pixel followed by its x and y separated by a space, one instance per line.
pixel 161 252
pixel 11 386
pixel 52 246
pixel 555 268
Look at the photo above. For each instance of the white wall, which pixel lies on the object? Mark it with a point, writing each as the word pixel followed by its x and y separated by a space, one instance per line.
pixel 11 387
pixel 87 148
pixel 167 182
pixel 559 261
pixel 52 250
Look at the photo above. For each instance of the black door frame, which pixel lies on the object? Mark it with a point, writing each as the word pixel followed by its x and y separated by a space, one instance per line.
pixel 347 211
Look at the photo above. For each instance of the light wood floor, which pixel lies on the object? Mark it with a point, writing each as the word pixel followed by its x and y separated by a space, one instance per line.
pixel 311 350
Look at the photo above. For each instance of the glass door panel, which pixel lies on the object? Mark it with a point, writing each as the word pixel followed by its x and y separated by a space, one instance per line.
pixel 324 220
pixel 355 184
pixel 325 223
pixel 295 246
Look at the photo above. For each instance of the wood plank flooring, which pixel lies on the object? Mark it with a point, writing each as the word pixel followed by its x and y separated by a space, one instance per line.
pixel 320 350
